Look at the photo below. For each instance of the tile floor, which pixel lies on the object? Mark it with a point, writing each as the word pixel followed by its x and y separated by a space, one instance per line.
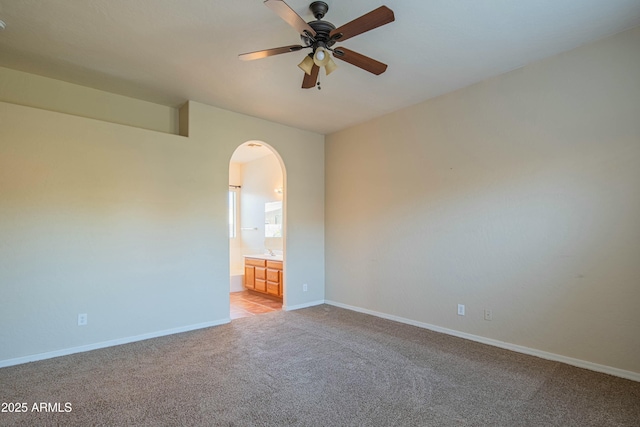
pixel 246 304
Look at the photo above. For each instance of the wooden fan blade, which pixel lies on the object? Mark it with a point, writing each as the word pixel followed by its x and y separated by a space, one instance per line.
pixel 290 16
pixel 359 60
pixel 374 19
pixel 269 52
pixel 309 81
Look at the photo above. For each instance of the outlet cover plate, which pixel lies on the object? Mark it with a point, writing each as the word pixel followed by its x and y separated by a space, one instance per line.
pixel 82 319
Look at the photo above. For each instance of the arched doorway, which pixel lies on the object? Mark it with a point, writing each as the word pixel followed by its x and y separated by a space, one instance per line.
pixel 257 229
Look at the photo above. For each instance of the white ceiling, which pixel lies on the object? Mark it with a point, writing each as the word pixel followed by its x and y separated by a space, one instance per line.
pixel 168 51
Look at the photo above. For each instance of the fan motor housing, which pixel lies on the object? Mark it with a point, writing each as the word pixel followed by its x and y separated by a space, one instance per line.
pixel 322 29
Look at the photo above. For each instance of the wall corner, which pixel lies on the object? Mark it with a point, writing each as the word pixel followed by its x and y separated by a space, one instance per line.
pixel 183 119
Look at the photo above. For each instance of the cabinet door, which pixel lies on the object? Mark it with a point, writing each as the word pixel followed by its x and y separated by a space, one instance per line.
pixel 273 282
pixel 255 262
pixel 273 288
pixel 273 275
pixel 261 279
pixel 261 285
pixel 261 273
pixel 276 265
pixel 249 277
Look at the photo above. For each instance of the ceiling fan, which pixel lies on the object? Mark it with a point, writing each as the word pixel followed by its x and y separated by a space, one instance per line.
pixel 320 36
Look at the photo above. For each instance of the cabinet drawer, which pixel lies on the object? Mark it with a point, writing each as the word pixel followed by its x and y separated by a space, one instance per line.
pixel 261 285
pixel 273 275
pixel 255 261
pixel 277 265
pixel 273 288
pixel 261 273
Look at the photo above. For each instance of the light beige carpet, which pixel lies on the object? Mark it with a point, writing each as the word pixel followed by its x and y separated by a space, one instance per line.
pixel 321 366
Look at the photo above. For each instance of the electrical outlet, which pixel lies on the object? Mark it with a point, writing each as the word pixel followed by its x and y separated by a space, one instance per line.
pixel 82 319
pixel 488 314
pixel 460 309
pixel 304 287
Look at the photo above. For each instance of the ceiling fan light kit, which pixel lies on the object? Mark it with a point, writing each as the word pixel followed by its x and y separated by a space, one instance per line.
pixel 319 57
pixel 320 36
pixel 330 66
pixel 307 64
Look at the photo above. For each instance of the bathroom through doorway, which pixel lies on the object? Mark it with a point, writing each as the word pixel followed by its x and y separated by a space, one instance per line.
pixel 256 230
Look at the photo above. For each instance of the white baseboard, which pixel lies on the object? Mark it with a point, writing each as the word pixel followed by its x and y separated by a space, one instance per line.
pixel 634 376
pixel 299 306
pixel 110 343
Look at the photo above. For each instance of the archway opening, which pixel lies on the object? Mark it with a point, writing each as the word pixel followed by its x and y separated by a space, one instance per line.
pixel 257 230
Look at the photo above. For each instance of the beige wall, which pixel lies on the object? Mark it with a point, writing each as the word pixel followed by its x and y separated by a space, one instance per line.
pixel 130 225
pixel 41 92
pixel 519 194
pixel 302 153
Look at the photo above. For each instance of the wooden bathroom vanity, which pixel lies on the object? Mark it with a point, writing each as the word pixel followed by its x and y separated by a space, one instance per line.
pixel 263 274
